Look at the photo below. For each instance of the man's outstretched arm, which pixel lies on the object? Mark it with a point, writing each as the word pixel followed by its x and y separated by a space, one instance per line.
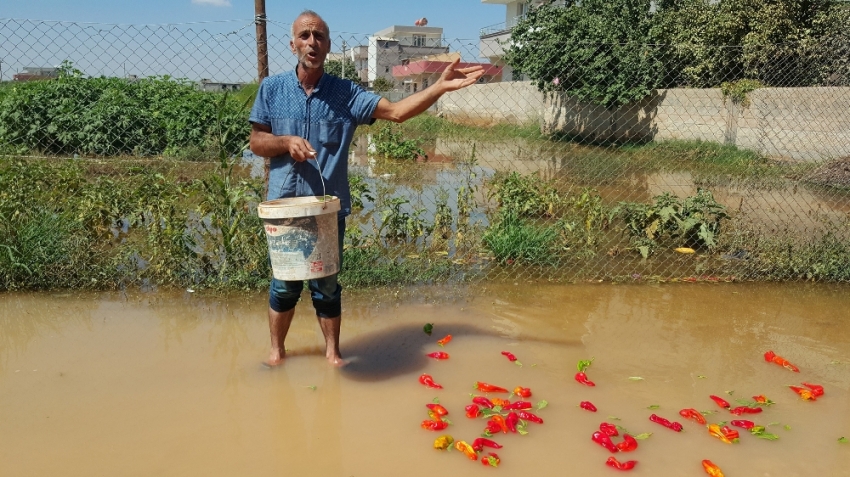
pixel 452 79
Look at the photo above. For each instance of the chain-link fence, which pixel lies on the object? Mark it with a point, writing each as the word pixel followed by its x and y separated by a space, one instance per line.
pixel 124 161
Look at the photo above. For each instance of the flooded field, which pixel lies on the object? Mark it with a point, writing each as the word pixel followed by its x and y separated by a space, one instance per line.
pixel 171 384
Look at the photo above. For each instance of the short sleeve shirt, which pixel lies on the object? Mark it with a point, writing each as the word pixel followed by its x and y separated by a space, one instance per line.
pixel 327 119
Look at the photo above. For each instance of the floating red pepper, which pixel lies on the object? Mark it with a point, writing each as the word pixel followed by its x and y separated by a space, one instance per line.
pixel 745 410
pixel 517 406
pixel 804 393
pixel 467 450
pixel 483 402
pixel 489 388
pixel 500 402
pixel 770 356
pixel 743 424
pixel 522 392
pixel 529 417
pixel 434 425
pixel 716 431
pixel 491 459
pixel 439 355
pixel 472 411
pixel 582 378
pixel 588 406
pixel 511 421
pixel 498 419
pixel 720 401
pixel 605 441
pixel 817 389
pixel 438 409
pixel 730 433
pixel 628 465
pixel 493 427
pixel 480 443
pixel 692 414
pixel 509 355
pixel 609 429
pixel 711 469
pixel 427 380
pixel 664 422
pixel 628 444
pixel 445 340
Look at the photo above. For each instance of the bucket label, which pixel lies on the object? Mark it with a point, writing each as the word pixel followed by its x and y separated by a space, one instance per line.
pixel 298 236
pixel 316 267
pixel 303 248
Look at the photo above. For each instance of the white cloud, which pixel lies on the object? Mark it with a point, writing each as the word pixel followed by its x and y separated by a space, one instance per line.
pixel 214 3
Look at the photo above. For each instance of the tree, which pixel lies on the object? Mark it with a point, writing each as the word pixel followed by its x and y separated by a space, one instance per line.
pixel 382 84
pixel 334 67
pixel 598 51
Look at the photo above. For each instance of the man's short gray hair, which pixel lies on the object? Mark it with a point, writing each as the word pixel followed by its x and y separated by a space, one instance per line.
pixel 309 13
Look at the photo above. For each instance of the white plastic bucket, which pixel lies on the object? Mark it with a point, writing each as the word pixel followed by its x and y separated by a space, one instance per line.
pixel 302 235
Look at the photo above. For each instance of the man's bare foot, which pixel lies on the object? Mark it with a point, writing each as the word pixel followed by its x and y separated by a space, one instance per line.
pixel 336 360
pixel 275 359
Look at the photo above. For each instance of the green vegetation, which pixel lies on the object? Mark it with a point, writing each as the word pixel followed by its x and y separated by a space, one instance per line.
pixel 391 143
pixel 114 116
pixel 737 91
pixel 382 85
pixel 335 67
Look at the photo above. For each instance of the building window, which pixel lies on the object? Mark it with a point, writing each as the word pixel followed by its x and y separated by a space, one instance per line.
pixel 424 83
pixel 418 40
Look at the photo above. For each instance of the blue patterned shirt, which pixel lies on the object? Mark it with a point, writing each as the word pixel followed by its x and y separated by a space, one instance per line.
pixel 327 119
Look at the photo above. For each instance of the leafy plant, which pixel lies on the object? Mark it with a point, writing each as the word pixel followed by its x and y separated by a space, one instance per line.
pixel 524 196
pixel 512 239
pixel 398 224
pixel 390 143
pixel 382 85
pixel 738 91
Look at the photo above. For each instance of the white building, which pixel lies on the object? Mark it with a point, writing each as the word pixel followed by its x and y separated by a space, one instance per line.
pixel 391 46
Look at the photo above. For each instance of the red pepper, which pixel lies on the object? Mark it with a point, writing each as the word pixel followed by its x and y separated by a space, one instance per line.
pixel 445 340
pixel 493 427
pixel 817 389
pixel 529 417
pixel 480 443
pixel 582 378
pixel 434 425
pixel 511 421
pixel 628 465
pixel 427 380
pixel 439 355
pixel 603 440
pixel 438 409
pixel 503 426
pixel 629 444
pixel 609 429
pixel 664 422
pixel 483 402
pixel 730 433
pixel 720 401
pixel 743 424
pixel 804 393
pixel 692 414
pixel 517 406
pixel 509 355
pixel 711 469
pixel 472 411
pixel 745 410
pixel 500 402
pixel 522 392
pixel 717 432
pixel 587 405
pixel 489 388
pixel 770 356
pixel 491 459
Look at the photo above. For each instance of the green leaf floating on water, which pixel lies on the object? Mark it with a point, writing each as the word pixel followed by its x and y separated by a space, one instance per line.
pixel 702 376
pixel 635 378
pixel 787 427
pixel 843 440
pixel 311 387
pixel 584 364
pixel 654 406
pixel 436 400
pixel 542 404
pixel 428 328
pixel 614 418
pixel 643 436
pixel 767 435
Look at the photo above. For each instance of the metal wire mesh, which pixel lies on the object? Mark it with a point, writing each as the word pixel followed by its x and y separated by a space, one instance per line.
pixel 560 171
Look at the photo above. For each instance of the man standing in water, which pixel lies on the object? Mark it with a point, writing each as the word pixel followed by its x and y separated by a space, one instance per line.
pixel 305 114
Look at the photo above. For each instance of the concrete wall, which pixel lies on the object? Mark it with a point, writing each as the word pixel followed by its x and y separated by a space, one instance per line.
pixel 511 102
pixel 801 124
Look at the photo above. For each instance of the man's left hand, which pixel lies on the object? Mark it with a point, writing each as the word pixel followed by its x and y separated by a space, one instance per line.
pixel 454 78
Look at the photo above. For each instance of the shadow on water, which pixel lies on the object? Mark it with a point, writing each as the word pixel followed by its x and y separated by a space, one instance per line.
pixel 399 350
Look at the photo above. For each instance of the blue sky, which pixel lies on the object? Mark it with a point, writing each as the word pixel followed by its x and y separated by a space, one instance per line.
pixel 459 19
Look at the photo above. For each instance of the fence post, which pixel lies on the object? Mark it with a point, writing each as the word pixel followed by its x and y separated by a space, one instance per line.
pixel 262 40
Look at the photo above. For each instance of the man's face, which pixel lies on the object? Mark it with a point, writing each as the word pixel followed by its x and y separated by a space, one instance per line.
pixel 310 41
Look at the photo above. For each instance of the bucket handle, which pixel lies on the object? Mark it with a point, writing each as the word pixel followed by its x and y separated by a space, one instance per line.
pixel 321 176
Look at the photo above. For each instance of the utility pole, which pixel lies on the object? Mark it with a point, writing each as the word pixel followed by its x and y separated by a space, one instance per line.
pixel 343 59
pixel 262 40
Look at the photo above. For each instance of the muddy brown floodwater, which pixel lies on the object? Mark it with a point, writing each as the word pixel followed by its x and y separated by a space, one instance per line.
pixel 171 384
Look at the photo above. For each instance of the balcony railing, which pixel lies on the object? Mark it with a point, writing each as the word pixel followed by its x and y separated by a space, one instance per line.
pixel 500 27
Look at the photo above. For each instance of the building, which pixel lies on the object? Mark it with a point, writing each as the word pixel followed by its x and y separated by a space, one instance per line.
pixel 492 37
pixel 391 46
pixel 32 73
pixel 418 73
pixel 216 87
